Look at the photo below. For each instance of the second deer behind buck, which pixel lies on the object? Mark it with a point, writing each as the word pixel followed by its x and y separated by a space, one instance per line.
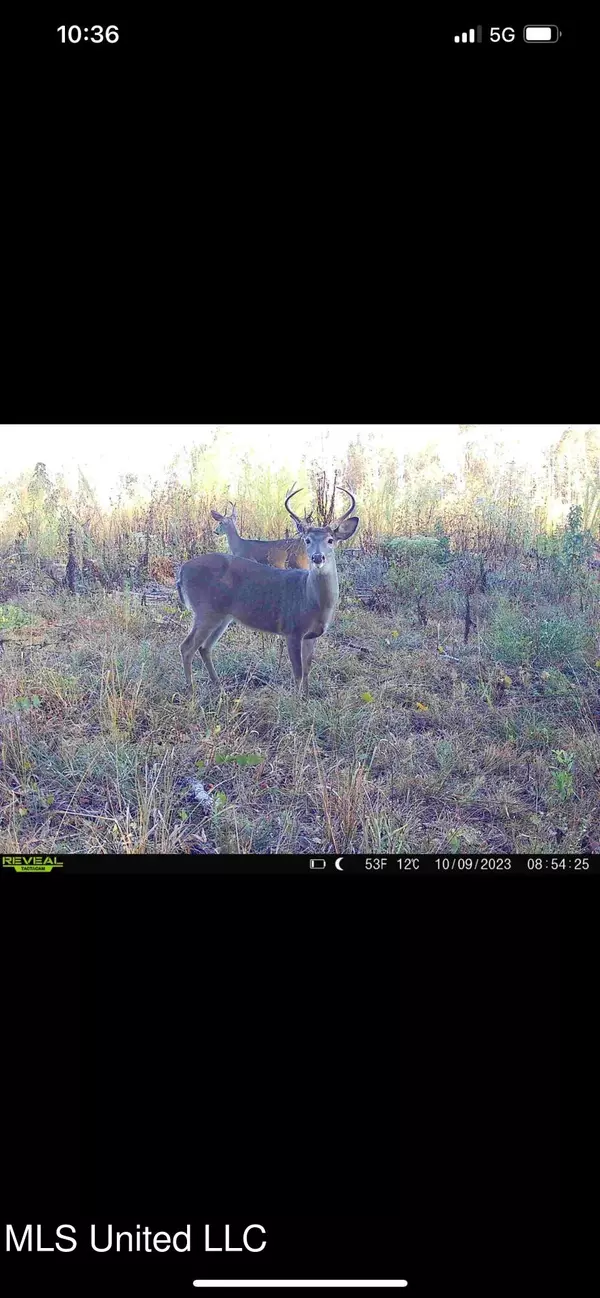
pixel 289 552
pixel 298 605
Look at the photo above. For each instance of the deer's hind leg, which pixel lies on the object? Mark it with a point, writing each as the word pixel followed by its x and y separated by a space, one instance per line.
pixel 202 635
pixel 188 648
pixel 205 648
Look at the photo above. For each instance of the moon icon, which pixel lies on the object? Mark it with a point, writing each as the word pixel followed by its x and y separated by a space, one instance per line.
pixel 337 864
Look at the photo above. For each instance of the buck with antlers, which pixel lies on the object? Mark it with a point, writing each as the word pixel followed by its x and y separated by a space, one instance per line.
pixel 289 552
pixel 298 605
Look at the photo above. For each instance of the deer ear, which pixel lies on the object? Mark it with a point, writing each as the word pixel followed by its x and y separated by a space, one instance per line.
pixel 345 529
pixel 219 517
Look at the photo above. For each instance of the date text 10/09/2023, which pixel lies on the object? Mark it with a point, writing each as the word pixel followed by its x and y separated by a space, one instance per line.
pixel 443 863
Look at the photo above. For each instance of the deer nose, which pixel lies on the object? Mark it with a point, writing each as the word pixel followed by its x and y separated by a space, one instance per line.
pixel 318 559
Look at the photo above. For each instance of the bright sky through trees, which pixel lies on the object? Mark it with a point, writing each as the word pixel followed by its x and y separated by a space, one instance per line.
pixel 104 453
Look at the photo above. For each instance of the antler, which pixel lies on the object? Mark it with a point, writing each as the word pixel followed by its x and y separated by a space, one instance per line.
pixel 298 521
pixel 348 511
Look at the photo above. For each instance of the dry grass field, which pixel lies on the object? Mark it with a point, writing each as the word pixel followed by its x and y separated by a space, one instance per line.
pixel 454 704
pixel 411 739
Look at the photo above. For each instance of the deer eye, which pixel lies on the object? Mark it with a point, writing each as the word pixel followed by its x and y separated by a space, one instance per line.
pixel 308 540
pixel 330 540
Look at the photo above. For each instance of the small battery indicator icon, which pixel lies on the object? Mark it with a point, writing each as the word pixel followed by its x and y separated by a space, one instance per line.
pixel 541 35
pixel 318 863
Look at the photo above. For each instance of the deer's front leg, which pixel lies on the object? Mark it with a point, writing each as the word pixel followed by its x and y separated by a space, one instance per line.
pixel 308 649
pixel 294 644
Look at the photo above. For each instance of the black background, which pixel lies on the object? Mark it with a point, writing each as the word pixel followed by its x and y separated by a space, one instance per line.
pixel 336 223
pixel 378 1086
pixel 301 217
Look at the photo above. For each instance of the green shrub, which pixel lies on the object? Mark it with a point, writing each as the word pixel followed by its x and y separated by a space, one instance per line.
pixel 407 550
pixel 536 641
pixel 443 555
pixel 416 570
pixel 420 578
pixel 12 616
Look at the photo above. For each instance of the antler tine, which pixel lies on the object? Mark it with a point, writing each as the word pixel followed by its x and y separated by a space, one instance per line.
pixel 348 511
pixel 291 493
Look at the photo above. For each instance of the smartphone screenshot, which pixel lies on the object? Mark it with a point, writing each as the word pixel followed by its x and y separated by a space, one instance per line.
pixel 299 673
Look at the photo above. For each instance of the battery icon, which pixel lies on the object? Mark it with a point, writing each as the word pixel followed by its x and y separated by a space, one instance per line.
pixel 318 863
pixel 541 35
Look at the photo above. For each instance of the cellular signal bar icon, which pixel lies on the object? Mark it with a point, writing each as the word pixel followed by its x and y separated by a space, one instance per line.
pixel 468 38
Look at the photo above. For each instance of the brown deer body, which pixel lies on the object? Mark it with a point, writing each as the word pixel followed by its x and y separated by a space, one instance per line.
pixel 298 605
pixel 289 552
